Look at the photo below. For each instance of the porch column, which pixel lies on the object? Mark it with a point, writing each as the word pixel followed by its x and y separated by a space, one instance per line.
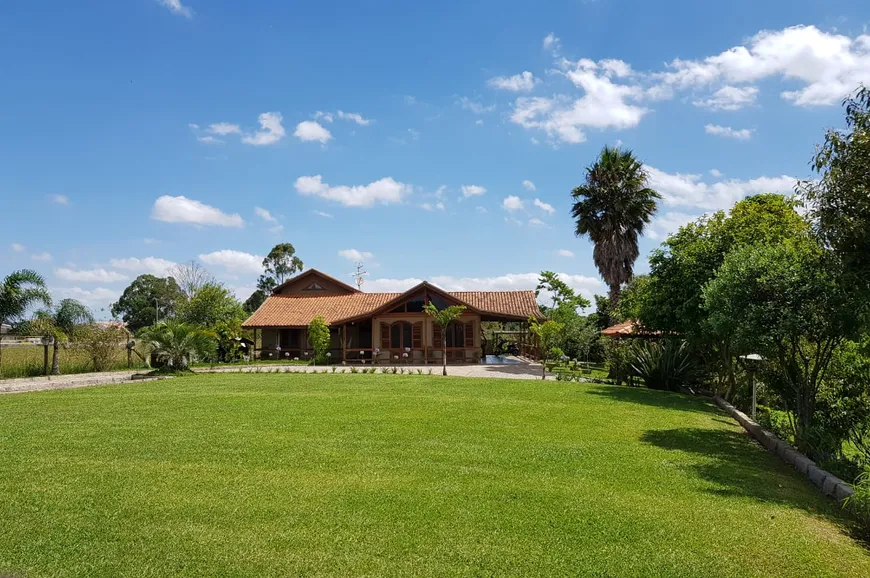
pixel 344 342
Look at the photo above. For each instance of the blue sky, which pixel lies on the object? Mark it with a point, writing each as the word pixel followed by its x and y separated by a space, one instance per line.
pixel 438 141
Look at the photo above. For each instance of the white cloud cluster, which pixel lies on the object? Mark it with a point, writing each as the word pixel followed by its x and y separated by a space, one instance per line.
pixel 351 116
pixel 524 82
pixel 512 203
pixel 183 210
pixel 529 185
pixel 177 8
pixel 265 215
pixel 96 299
pixel 474 106
pixel 565 253
pixel 827 65
pixel 355 255
pixel 728 132
pixel 89 275
pixel 546 207
pixel 472 191
pixel 18 247
pixel 151 265
pixel 44 256
pixel 688 190
pixel 235 262
pixel 271 130
pixel 59 199
pixel 610 100
pixel 729 98
pixel 383 191
pixel 312 131
pixel 427 206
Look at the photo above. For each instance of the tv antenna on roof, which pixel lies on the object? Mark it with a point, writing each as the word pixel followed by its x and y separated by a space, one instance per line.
pixel 359 276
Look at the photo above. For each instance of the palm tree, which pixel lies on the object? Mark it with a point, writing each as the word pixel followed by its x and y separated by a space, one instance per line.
pixel 612 207
pixel 178 343
pixel 20 291
pixel 60 324
pixel 443 318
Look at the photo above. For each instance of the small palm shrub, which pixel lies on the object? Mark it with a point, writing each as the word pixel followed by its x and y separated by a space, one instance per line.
pixel 179 344
pixel 665 365
pixel 859 502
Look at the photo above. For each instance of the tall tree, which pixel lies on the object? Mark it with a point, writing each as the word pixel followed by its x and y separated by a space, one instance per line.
pixel 147 300
pixel 612 208
pixel 191 276
pixel 839 201
pixel 280 264
pixel 60 324
pixel 20 291
pixel 443 318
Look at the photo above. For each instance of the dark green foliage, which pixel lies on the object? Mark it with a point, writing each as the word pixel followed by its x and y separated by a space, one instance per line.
pixel 666 364
pixel 839 201
pixel 280 264
pixel 612 208
pixel 254 301
pixel 211 305
pixel 318 336
pixel 148 299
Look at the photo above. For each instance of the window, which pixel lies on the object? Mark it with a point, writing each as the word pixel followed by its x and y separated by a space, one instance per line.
pixel 456 334
pixel 314 287
pixel 400 335
pixel 438 301
pixel 413 305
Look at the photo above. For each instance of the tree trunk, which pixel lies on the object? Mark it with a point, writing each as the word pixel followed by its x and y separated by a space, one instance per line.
pixel 45 359
pixel 614 301
pixel 543 368
pixel 55 360
pixel 1 350
pixel 444 355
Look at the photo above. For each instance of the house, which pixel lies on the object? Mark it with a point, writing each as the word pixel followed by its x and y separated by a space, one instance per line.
pixel 380 326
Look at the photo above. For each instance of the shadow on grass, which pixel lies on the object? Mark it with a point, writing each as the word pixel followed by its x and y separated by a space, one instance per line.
pixel 663 399
pixel 734 465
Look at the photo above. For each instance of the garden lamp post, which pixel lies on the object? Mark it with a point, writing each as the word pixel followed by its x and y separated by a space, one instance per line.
pixel 751 363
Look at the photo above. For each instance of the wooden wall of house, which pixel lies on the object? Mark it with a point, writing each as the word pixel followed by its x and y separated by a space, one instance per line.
pixel 303 287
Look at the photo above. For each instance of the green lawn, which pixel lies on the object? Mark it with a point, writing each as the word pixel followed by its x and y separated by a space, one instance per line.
pixel 346 475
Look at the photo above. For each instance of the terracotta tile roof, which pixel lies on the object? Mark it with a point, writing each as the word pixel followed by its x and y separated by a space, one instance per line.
pixel 298 311
pixel 508 303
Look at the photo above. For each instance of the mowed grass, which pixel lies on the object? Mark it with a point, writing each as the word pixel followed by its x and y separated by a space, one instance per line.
pixel 382 475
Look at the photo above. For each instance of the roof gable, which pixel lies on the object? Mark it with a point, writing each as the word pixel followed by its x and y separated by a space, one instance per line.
pixel 313 282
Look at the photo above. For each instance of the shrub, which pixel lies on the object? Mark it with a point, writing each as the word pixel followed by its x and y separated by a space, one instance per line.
pixel 859 502
pixel 353 369
pixel 664 365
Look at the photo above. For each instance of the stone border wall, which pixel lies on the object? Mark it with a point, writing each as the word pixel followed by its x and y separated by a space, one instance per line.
pixel 828 483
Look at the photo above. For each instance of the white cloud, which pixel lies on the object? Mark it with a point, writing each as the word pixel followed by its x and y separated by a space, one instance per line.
pixel 729 98
pixel 59 199
pixel 355 117
pixel 176 7
pixel 716 173
pixel 271 130
pixel 536 222
pixel 41 256
pixel 472 191
pixel 604 104
pixel 384 191
pixel 687 190
pixel 524 82
pixel 324 116
pixel 99 298
pixel 474 106
pixel 513 221
pixel 727 131
pixel 265 215
pixel 224 128
pixel 668 223
pixel 17 247
pixel 439 206
pixel 322 214
pixel 310 130
pixel 481 210
pixel 512 203
pixel 237 262
pixel 151 265
pixel 564 253
pixel 277 229
pixel 89 275
pixel 551 42
pixel 208 139
pixel 355 255
pixel 183 210
pixel 507 282
pixel 529 185
pixel 546 207
pixel 827 65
